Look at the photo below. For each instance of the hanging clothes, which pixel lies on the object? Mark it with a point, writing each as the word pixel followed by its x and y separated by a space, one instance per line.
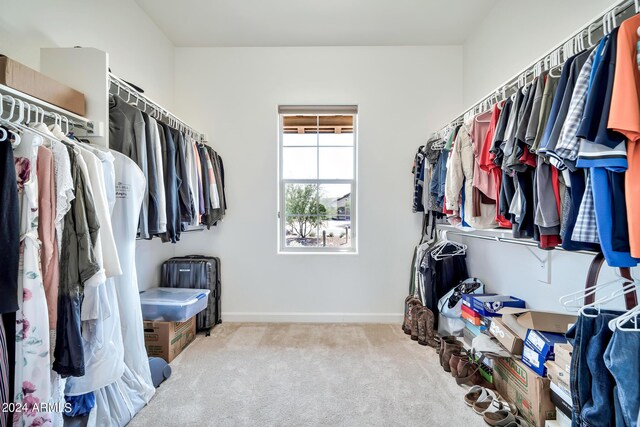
pixel 32 383
pixel 78 264
pixel 171 184
pixel 460 183
pixel 159 178
pixel 102 339
pixel 439 276
pixel 418 181
pixel 47 230
pixel 624 118
pixel 606 168
pixel 152 177
pixel 486 162
pixel 184 195
pixel 127 136
pixel 119 401
pixel 10 231
pixel 484 186
pixel 4 375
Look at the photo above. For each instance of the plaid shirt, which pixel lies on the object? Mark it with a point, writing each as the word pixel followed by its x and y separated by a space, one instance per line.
pixel 569 143
pixel 586 229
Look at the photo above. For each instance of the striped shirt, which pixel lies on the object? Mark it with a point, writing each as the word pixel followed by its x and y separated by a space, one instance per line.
pixel 566 151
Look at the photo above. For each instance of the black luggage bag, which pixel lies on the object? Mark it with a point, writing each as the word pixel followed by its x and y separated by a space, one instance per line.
pixel 196 272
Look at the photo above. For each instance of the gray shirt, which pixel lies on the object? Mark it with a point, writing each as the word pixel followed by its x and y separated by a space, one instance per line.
pixel 534 117
pixel 576 66
pixel 127 136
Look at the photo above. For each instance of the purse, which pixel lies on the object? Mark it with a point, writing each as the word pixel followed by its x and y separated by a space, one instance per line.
pixel 450 320
pixel 630 298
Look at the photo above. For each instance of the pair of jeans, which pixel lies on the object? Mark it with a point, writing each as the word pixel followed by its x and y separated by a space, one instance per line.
pixel 622 359
pixel 591 383
pixel 437 186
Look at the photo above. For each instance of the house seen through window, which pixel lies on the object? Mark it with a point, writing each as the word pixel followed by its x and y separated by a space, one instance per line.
pixel 317 206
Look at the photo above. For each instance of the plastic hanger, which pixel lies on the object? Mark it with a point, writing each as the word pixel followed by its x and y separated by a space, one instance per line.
pixel 597 305
pixel 627 322
pixel 65 120
pixel 590 34
pixel 3 131
pixel 437 251
pixel 575 300
pixel 12 126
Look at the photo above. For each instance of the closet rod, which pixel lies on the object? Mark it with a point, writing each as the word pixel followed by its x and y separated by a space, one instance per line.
pixel 544 62
pixel 146 101
pixel 512 241
pixel 50 111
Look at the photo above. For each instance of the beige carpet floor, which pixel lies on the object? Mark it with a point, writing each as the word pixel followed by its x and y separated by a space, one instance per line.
pixel 307 375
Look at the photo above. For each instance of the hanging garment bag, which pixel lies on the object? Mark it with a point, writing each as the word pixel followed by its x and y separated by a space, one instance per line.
pixel 197 272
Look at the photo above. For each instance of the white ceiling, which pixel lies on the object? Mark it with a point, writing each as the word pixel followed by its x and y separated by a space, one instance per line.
pixel 316 22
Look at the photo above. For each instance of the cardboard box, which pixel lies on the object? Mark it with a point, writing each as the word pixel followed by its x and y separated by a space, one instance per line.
pixel 511 321
pixel 468 335
pixel 540 320
pixel 561 399
pixel 563 356
pixel 565 421
pixel 168 339
pixel 544 342
pixel 27 80
pixel 489 305
pixel 527 390
pixel 558 376
pixel 534 360
pixel 475 319
pixel 506 336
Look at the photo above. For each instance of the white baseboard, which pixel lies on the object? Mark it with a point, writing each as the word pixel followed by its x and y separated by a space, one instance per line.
pixel 391 318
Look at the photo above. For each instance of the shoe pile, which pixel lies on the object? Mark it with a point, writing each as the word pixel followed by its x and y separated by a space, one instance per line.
pixel 495 410
pixel 460 363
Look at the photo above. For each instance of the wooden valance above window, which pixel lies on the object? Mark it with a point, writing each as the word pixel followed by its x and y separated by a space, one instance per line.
pixel 318 124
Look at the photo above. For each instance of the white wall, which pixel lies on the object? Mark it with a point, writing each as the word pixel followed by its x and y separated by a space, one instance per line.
pixel 514 270
pixel 139 51
pixel 233 94
pixel 516 33
pixel 513 35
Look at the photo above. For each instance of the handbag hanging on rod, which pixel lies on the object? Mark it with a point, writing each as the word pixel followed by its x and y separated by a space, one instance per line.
pixel 631 298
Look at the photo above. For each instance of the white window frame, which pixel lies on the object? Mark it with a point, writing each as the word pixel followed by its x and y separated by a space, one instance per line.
pixel 282 248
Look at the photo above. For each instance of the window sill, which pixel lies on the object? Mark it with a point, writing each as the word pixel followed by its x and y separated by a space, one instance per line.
pixel 281 252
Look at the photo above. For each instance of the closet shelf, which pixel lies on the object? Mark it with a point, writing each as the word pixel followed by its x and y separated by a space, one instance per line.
pixel 500 236
pixel 159 110
pixel 50 110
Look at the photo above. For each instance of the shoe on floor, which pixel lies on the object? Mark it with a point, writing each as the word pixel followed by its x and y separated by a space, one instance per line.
pixel 478 394
pixel 493 403
pixel 500 418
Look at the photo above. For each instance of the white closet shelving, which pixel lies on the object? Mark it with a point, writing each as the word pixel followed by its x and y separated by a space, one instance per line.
pixel 87 70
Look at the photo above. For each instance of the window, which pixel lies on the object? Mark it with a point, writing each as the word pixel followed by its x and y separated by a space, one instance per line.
pixel 317 177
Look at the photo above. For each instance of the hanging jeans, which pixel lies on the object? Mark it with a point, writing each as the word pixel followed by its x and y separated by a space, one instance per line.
pixel 622 360
pixel 591 383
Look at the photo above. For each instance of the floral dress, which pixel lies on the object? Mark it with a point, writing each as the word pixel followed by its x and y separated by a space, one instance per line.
pixel 32 376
